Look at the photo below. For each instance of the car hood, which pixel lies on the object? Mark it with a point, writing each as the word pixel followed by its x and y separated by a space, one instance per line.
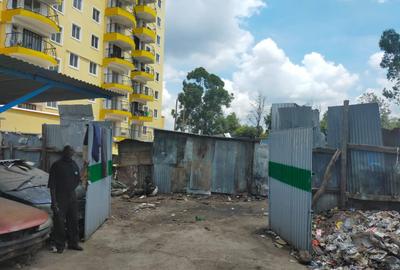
pixel 16 216
pixel 31 195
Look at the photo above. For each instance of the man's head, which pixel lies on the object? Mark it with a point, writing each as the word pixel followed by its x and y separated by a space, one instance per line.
pixel 68 151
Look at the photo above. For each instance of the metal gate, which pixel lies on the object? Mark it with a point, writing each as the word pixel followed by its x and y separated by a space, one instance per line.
pixel 98 196
pixel 290 195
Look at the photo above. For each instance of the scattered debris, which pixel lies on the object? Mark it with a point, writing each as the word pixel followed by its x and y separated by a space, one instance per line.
pixel 304 257
pixel 144 206
pixel 118 188
pixel 356 240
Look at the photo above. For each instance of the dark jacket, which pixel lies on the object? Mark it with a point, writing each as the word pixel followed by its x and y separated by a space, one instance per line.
pixel 64 178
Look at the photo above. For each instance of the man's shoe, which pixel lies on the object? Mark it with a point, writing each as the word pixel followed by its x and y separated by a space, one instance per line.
pixel 75 247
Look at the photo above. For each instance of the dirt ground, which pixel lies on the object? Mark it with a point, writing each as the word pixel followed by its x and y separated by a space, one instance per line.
pixel 225 235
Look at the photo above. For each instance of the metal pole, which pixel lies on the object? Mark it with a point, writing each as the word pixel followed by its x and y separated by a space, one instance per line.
pixel 344 142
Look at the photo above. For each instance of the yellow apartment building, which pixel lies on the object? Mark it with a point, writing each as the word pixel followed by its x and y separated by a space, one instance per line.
pixel 116 44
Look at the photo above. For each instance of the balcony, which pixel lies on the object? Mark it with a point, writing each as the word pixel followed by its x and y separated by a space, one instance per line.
pixel 142 94
pixel 117 82
pixel 115 111
pixel 33 15
pixel 145 34
pixel 121 133
pixel 120 36
pixel 142 116
pixel 146 56
pixel 143 75
pixel 146 13
pixel 31 48
pixel 119 13
pixel 141 133
pixel 118 60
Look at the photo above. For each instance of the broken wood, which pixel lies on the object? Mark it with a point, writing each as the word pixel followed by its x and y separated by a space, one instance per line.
pixel 327 177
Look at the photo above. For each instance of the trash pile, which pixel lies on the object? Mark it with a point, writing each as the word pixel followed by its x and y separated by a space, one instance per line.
pixel 356 240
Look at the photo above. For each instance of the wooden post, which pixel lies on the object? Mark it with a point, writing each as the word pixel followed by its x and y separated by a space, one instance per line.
pixel 344 142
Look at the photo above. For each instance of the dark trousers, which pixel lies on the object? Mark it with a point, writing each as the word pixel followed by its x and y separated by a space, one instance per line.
pixel 65 221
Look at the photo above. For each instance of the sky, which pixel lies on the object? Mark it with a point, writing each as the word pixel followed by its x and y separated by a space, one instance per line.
pixel 312 52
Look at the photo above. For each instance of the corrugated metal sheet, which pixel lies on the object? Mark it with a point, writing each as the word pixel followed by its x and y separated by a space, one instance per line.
pixel 275 121
pixel 21 140
pixel 289 206
pixel 294 117
pixel 98 195
pixel 224 168
pixel 260 169
pixel 364 125
pixel 162 177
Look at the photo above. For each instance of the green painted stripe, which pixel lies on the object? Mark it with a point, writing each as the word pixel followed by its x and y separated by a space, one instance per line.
pixel 295 177
pixel 96 171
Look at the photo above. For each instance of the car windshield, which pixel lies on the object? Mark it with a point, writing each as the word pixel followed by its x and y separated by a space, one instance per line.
pixel 18 175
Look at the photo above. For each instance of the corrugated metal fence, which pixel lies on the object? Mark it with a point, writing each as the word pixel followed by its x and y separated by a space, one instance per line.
pixel 290 195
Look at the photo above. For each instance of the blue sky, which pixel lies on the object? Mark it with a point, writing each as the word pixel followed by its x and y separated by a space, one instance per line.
pixel 316 52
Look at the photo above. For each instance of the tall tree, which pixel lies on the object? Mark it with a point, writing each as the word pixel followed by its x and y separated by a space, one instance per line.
pixel 201 102
pixel 258 113
pixel 384 108
pixel 227 124
pixel 390 44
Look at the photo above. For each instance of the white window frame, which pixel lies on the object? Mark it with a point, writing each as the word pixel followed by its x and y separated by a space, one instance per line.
pixel 72 32
pixel 61 36
pixel 158 58
pixel 59 65
pixel 91 41
pixel 97 68
pixel 159 4
pixel 52 107
pixel 155 113
pixel 77 62
pixel 157 76
pixel 156 96
pixel 158 40
pixel 95 8
pixel 159 21
pixel 62 7
pixel 80 10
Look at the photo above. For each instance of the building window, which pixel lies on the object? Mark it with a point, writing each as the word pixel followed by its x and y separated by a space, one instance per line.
pixel 156 94
pixel 158 40
pixel 57 67
pixel 155 113
pixel 157 76
pixel 96 15
pixel 73 60
pixel 27 106
pixel 95 42
pixel 93 68
pixel 159 3
pixel 157 58
pixel 51 104
pixel 57 37
pixel 59 7
pixel 144 130
pixel 77 4
pixel 159 21
pixel 76 31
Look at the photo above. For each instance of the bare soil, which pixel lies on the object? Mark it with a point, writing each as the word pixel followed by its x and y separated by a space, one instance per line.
pixel 226 235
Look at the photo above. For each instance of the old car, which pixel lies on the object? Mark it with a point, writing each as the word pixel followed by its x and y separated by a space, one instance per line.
pixel 20 181
pixel 23 228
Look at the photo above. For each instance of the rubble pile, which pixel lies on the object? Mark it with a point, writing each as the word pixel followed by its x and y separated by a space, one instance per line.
pixel 356 240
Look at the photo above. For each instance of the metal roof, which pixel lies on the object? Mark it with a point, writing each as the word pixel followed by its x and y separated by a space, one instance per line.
pixel 19 78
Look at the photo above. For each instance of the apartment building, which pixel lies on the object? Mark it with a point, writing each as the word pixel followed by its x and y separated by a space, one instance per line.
pixel 116 44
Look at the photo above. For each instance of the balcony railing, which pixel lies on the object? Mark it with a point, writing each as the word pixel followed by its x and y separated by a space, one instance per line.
pixel 119 4
pixel 146 69
pixel 117 78
pixel 144 113
pixel 31 41
pixel 118 28
pixel 143 90
pixel 35 6
pixel 113 53
pixel 116 105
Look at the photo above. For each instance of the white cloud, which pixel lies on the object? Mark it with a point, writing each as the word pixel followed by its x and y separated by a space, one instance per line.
pixel 168 105
pixel 267 69
pixel 173 75
pixel 375 60
pixel 241 105
pixel 208 32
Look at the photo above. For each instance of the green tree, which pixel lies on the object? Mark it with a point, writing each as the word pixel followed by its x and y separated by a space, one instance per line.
pixel 227 124
pixel 247 131
pixel 384 107
pixel 201 102
pixel 390 44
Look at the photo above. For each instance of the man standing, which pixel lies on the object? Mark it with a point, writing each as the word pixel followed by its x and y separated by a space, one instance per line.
pixel 63 179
